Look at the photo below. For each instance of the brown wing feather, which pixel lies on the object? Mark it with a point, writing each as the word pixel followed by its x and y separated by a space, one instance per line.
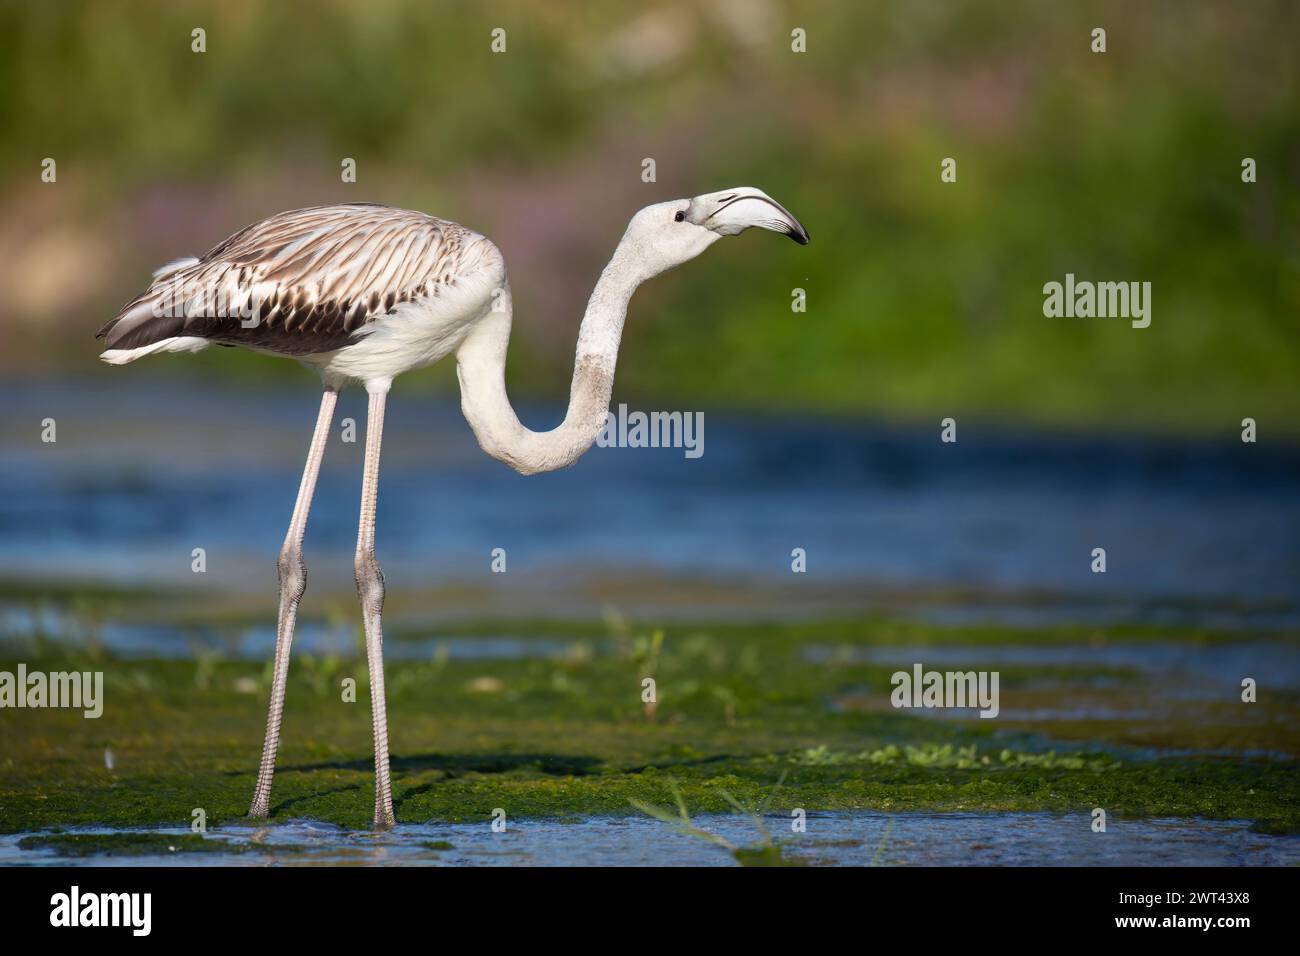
pixel 314 277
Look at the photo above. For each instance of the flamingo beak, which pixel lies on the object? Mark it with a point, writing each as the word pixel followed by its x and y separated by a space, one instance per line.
pixel 732 211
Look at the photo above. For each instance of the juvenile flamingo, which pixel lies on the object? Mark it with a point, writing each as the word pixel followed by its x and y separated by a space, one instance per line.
pixel 365 292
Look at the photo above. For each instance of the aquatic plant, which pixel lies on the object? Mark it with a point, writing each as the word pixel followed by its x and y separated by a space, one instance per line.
pixel 765 853
pixel 645 656
pixel 880 847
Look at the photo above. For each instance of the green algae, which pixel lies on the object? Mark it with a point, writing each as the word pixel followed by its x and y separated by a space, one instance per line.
pixel 571 737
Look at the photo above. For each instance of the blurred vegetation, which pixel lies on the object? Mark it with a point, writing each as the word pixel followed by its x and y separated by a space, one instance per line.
pixel 924 298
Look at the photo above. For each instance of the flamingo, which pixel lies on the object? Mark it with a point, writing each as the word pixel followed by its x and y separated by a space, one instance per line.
pixel 363 292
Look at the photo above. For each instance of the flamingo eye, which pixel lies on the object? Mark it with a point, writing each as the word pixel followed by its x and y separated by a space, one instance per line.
pixel 679 217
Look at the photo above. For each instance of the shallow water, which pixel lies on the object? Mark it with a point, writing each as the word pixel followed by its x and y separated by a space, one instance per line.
pixel 1174 686
pixel 144 471
pixel 1214 667
pixel 832 839
pixel 166 642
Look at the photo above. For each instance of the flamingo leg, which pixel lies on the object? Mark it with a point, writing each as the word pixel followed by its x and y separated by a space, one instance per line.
pixel 293 581
pixel 370 589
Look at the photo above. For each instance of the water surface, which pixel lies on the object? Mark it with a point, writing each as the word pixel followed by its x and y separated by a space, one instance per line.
pixel 831 839
pixel 146 470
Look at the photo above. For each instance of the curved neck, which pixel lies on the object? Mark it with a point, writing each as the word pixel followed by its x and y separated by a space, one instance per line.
pixel 481 365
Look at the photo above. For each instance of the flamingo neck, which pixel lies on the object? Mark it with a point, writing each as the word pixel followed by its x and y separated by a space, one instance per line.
pixel 481 364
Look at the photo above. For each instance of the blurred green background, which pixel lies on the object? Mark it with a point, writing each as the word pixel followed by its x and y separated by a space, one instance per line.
pixel 924 298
